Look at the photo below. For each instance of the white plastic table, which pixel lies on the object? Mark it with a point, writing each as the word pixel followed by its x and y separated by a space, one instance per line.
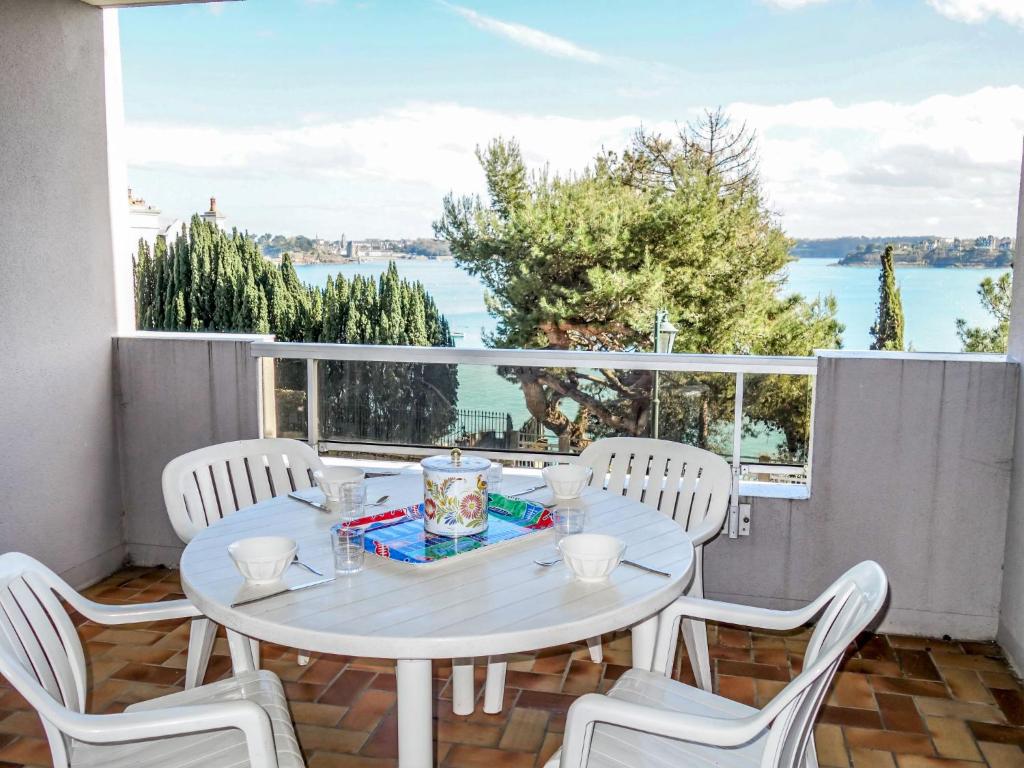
pixel 484 603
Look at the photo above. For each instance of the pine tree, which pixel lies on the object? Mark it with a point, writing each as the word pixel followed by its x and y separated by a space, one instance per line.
pixel 888 328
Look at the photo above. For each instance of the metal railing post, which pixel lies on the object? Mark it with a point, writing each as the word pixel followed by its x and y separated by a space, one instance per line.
pixel 737 446
pixel 312 403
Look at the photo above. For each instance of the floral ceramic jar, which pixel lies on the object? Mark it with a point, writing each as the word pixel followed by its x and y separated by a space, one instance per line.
pixel 455 494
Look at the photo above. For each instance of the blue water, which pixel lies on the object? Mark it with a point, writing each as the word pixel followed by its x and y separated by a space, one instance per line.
pixel 932 298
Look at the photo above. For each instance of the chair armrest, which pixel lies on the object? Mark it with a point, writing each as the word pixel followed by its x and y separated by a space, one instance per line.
pixel 594 708
pixel 247 716
pixel 725 613
pixel 133 614
pixel 705 532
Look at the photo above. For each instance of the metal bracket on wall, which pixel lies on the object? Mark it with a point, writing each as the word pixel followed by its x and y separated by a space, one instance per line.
pixel 733 519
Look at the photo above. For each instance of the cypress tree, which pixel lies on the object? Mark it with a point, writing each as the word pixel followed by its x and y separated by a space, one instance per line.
pixel 888 328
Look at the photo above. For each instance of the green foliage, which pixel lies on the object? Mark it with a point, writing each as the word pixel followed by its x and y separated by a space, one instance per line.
pixel 210 280
pixel 585 261
pixel 888 328
pixel 995 297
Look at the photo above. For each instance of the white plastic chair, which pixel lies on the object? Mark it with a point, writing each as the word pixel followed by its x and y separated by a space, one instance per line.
pixel 207 484
pixel 235 722
pixel 688 484
pixel 649 719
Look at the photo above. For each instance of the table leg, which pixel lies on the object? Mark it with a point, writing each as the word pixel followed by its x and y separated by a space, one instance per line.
pixel 463 689
pixel 244 652
pixel 415 716
pixel 645 635
pixel 494 688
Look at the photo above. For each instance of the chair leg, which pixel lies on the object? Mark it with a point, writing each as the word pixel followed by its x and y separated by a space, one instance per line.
pixel 245 653
pixel 494 688
pixel 811 755
pixel 200 643
pixel 695 635
pixel 463 690
pixel 596 649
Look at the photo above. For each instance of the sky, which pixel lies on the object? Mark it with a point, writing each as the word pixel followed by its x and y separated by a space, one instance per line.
pixel 324 117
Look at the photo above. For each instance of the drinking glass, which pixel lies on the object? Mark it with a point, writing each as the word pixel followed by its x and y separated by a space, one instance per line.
pixel 353 500
pixel 332 482
pixel 494 477
pixel 349 554
pixel 569 520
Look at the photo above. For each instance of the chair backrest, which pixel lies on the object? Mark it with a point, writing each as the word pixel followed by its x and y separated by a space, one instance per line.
pixel 205 485
pixel 686 483
pixel 846 609
pixel 40 653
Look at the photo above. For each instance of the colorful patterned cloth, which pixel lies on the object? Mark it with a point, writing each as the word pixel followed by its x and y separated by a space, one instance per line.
pixel 507 519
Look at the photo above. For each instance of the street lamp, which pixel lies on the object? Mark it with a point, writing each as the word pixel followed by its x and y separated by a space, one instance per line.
pixel 664 339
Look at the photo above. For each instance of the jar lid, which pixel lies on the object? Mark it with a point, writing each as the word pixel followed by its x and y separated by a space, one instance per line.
pixel 455 462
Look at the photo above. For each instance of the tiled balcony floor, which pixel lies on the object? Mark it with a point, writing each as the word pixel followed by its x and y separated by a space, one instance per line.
pixel 899 701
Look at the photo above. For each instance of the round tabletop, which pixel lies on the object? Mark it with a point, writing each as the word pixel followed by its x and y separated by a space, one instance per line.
pixel 490 601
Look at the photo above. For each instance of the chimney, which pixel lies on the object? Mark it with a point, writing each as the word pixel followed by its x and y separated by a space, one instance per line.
pixel 213 205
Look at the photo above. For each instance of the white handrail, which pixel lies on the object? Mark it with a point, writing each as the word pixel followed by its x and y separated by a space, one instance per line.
pixel 539 358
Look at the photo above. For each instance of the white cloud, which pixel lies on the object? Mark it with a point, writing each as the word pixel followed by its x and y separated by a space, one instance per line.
pixel 791 4
pixel 528 37
pixel 945 165
pixel 975 11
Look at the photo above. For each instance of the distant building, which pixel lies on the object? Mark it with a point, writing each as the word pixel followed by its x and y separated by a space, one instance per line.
pixel 354 250
pixel 213 216
pixel 143 223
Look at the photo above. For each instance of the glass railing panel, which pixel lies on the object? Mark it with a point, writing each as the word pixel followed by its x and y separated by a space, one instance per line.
pixel 290 399
pixel 776 421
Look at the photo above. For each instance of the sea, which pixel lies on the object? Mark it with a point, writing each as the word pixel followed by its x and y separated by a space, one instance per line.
pixel 932 301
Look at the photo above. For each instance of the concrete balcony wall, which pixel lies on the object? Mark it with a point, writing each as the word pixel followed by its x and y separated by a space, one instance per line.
pixel 59 494
pixel 176 393
pixel 912 461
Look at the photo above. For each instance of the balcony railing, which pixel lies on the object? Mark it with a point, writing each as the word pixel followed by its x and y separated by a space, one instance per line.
pixel 755 411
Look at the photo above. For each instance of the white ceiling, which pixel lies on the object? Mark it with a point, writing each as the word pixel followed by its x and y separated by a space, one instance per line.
pixel 126 3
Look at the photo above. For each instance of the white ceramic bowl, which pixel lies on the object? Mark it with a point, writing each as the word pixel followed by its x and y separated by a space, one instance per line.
pixel 262 559
pixel 591 556
pixel 567 481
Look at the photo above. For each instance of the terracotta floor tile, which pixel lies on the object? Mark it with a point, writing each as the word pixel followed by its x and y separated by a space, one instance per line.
pixel 888 741
pixel 464 732
pixel 531 681
pixel 552 702
pixel 333 760
pixel 909 687
pixel 739 689
pixel 1012 705
pixel 899 713
pixel 316 714
pixel 860 718
pixel 552 743
pixel 831 747
pixel 965 661
pixel 850 690
pixel 481 757
pixel 966 685
pixel 525 731
pixel 366 713
pixel 314 738
pixel 582 677
pixel 871 758
pixel 747 669
pixel 952 738
pixel 1000 734
pixel 922 761
pixel 962 710
pixel 1003 680
pixel 1002 755
pixel 917 664
pixel 346 687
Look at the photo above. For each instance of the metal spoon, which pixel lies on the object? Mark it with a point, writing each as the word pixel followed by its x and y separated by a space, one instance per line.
pixel 528 490
pixel 311 569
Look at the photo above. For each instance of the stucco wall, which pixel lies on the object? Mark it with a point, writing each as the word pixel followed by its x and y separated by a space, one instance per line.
pixel 59 495
pixel 1011 620
pixel 176 393
pixel 911 467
